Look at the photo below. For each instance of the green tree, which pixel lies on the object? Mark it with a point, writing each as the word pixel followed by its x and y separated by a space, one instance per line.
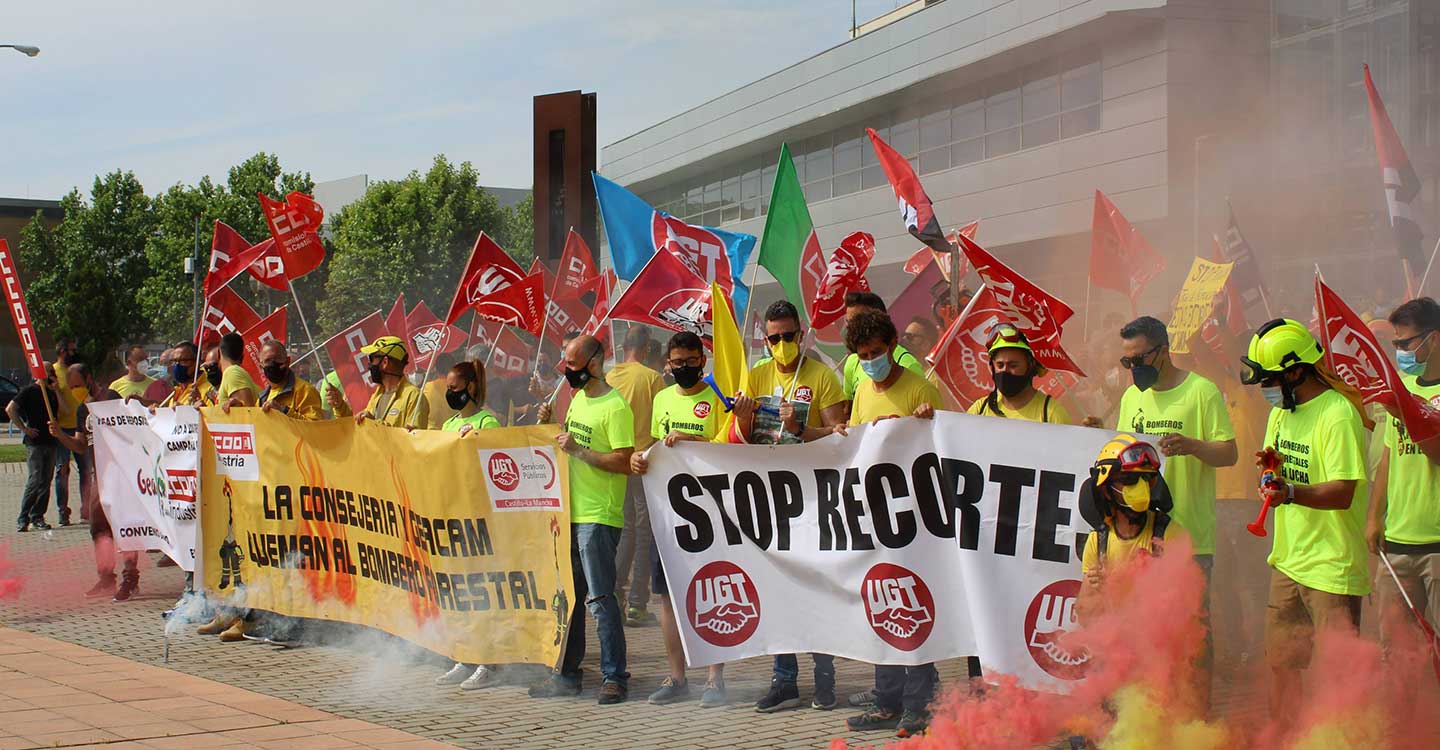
pixel 520 228
pixel 411 235
pixel 85 272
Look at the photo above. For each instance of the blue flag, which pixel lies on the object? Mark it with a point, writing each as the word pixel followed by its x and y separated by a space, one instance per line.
pixel 635 231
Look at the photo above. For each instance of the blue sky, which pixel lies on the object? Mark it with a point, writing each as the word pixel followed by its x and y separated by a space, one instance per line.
pixel 177 90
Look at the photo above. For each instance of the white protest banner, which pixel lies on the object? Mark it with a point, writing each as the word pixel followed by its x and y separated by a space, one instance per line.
pixel 905 542
pixel 148 468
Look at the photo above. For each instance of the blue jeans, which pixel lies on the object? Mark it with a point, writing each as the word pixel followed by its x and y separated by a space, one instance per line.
pixel 592 560
pixel 41 466
pixel 62 474
pixel 787 669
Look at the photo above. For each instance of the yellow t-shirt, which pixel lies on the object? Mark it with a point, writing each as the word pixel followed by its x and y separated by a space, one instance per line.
pixel 1323 440
pixel 901 399
pixel 1195 409
pixel 233 380
pixel 852 374
pixel 1034 410
pixel 65 402
pixel 1119 551
pixel 638 385
pixel 1412 512
pixel 812 388
pixel 699 413
pixel 406 407
pixel 197 393
pixel 128 388
pixel 603 424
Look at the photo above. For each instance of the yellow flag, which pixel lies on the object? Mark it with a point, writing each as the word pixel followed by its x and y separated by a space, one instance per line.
pixel 729 367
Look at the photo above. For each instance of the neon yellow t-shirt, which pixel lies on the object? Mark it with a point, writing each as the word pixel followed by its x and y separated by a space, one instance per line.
pixel 699 413
pixel 901 399
pixel 1412 512
pixel 602 424
pixel 852 374
pixel 638 385
pixel 1323 440
pixel 812 388
pixel 1195 409
pixel 480 420
pixel 1033 411
pixel 128 388
pixel 233 380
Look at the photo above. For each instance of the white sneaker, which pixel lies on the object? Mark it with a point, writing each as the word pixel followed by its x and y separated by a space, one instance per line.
pixel 455 676
pixel 484 677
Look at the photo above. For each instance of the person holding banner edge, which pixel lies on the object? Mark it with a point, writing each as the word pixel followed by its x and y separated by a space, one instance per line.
pixel 31 412
pixel 600 437
pixel 1013 368
pixel 236 388
pixel 395 402
pixel 889 391
pixel 190 389
pixel 687 411
pixel 856 303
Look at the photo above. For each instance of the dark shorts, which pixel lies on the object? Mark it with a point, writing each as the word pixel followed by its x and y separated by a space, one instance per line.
pixel 657 573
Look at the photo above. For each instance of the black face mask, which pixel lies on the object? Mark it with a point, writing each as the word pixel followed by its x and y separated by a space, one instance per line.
pixel 1145 376
pixel 457 400
pixel 276 372
pixel 687 377
pixel 1011 385
pixel 376 374
pixel 212 374
pixel 577 378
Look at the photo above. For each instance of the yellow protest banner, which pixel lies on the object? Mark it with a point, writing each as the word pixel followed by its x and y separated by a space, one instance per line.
pixel 460 545
pixel 1195 301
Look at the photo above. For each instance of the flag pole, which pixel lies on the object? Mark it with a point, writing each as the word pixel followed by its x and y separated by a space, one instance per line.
pixel 1086 337
pixel 300 310
pixel 750 300
pixel 1421 289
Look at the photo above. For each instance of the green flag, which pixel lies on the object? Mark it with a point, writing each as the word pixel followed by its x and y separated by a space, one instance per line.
pixel 789 248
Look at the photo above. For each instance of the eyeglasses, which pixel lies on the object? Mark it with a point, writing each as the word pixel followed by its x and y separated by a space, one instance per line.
pixel 1408 344
pixel 776 338
pixel 688 362
pixel 1131 363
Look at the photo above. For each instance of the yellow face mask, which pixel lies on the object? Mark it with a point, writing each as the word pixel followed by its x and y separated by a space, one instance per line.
pixel 785 352
pixel 1136 496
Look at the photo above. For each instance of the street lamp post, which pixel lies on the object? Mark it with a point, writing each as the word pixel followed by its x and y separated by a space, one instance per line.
pixel 24 49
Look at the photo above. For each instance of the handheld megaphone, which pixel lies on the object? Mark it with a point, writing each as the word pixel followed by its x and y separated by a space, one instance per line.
pixel 728 401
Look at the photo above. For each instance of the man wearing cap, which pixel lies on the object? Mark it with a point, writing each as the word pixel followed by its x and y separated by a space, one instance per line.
pixel 1319 556
pixel 1013 368
pixel 396 401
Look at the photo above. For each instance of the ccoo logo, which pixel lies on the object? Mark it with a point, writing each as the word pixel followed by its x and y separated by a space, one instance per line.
pixel 503 471
pixel 898 606
pixel 722 604
pixel 1050 616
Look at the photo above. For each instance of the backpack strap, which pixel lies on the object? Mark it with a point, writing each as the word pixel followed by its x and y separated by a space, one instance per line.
pixel 1045 409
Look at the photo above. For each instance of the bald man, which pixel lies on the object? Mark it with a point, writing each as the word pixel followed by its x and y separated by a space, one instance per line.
pixel 599 436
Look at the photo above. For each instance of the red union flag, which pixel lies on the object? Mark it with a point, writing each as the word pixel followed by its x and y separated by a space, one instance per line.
pixel 562 315
pixel 668 294
pixel 915 208
pixel 519 304
pixel 1120 258
pixel 844 273
pixel 225 312
pixel 511 356
pixel 961 356
pixel 426 337
pixel 352 367
pixel 812 274
pixel 595 326
pixel 697 247
pixel 1402 183
pixel 488 269
pixel 922 258
pixel 577 266
pixel 272 328
pixel 1033 310
pixel 295 227
pixel 20 313
pixel 1356 357
pixel 395 319
pixel 230 254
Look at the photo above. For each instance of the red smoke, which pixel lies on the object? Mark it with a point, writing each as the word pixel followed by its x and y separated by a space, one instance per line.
pixel 11 582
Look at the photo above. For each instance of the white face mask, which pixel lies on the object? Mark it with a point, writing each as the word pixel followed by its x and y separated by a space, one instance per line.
pixel 142 365
pixel 1274 394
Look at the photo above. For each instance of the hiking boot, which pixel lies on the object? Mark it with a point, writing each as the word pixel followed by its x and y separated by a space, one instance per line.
pixel 824 699
pixel 912 723
pixel 638 617
pixel 875 718
pixel 236 632
pixel 782 695
pixel 483 677
pixel 556 686
pixel 455 676
pixel 103 587
pixel 612 693
pixel 863 699
pixel 670 691
pixel 714 695
pixel 128 586
pixel 218 624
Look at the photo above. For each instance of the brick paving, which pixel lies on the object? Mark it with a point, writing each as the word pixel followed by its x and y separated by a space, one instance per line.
pixel 374 678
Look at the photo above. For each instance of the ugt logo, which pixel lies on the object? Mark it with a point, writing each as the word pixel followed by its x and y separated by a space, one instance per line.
pixel 898 606
pixel 503 472
pixel 722 604
pixel 1050 616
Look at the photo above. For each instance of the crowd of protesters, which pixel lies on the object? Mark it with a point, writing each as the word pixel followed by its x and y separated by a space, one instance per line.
pixel 1333 510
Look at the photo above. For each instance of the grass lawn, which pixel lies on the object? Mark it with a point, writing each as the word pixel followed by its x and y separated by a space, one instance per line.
pixel 12 454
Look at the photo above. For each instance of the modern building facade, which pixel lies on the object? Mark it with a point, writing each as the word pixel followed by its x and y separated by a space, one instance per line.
pixel 1015 112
